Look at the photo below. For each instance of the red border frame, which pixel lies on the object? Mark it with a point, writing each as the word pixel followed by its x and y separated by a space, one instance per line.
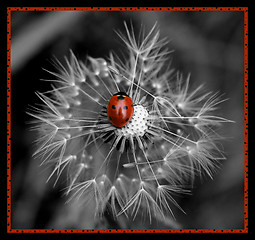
pixel 244 9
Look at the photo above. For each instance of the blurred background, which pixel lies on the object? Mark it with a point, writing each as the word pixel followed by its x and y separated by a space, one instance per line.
pixel 209 45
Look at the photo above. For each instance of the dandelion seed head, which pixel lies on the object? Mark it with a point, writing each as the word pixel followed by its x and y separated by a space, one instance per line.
pixel 137 125
pixel 170 138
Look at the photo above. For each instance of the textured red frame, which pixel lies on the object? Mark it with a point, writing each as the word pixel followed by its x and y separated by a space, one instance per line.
pixel 244 9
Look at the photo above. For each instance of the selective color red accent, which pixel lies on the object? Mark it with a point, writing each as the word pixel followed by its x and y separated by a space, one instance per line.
pixel 120 111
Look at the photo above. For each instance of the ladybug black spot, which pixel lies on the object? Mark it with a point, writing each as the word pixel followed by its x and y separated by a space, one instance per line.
pixel 127 119
pixel 113 107
pixel 125 107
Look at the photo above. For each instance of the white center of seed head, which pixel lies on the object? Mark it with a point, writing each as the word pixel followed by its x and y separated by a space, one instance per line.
pixel 138 123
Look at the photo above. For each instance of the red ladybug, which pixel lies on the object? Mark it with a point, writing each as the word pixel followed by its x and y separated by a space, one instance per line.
pixel 120 109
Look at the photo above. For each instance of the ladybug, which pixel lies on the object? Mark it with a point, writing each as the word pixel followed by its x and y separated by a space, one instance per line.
pixel 120 109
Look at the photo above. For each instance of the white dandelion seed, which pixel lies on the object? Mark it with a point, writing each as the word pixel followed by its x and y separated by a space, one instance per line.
pixel 136 168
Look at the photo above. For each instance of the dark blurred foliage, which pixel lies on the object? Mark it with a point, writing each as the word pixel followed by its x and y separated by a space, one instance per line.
pixel 209 45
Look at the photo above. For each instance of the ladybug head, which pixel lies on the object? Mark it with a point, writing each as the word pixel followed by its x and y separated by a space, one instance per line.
pixel 120 93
